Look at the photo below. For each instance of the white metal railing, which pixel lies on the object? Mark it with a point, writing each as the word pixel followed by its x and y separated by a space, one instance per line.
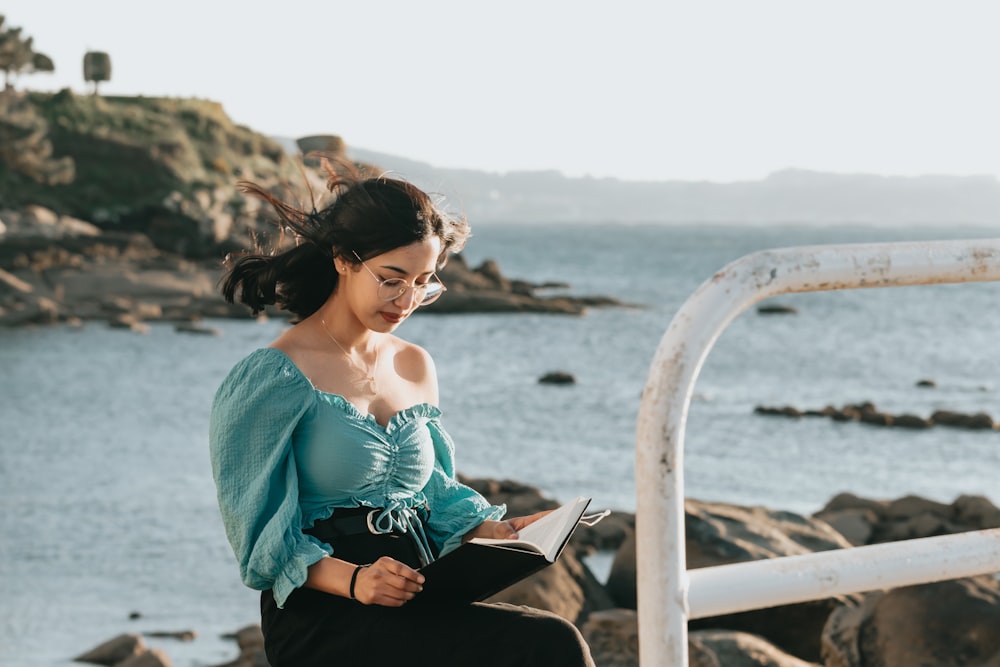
pixel 669 595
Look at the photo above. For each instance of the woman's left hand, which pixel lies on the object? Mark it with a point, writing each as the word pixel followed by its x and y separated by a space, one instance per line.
pixel 503 530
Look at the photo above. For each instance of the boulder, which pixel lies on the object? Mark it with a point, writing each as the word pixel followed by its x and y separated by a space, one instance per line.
pixel 726 648
pixel 908 507
pixel 521 499
pixel 976 512
pixel 557 377
pixel 908 517
pixel 41 222
pixel 613 637
pixel 776 309
pixel 486 290
pixel 911 421
pixel 843 501
pixel 152 658
pixel 51 278
pixel 614 642
pixel 607 535
pixel 567 588
pixel 978 421
pixel 250 641
pixel 114 650
pixel 856 524
pixel 718 533
pixel 945 624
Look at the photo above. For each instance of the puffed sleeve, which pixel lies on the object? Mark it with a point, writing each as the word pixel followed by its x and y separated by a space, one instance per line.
pixel 455 508
pixel 254 414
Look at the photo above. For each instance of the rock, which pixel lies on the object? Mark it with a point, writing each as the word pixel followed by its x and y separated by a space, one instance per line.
pixel 567 588
pixel 855 524
pixel 868 414
pixel 911 421
pixel 151 658
pixel 330 144
pixel 521 499
pixel 250 640
pixel 11 283
pixel 179 635
pixel 128 321
pixel 923 524
pixel 719 533
pixel 741 649
pixel 907 517
pixel 784 411
pixel 979 421
pixel 607 535
pixel 977 512
pixel 876 418
pixel 557 377
pixel 621 583
pixel 776 309
pixel 90 277
pixel 910 506
pixel 486 290
pixel 114 650
pixel 613 638
pixel 843 501
pixel 490 270
pixel 194 328
pixel 945 624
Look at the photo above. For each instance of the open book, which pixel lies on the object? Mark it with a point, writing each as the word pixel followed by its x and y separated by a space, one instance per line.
pixel 481 567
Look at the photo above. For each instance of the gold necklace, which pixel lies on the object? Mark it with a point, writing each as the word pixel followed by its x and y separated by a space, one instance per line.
pixel 368 374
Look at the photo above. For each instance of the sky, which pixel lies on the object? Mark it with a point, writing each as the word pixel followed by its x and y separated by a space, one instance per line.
pixel 719 90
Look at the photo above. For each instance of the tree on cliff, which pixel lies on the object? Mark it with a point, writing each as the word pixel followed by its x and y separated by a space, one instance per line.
pixel 18 56
pixel 96 67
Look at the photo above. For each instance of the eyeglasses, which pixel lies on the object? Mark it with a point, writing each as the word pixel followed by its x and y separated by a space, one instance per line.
pixel 393 288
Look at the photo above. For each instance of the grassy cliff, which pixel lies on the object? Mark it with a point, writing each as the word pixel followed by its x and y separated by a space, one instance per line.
pixel 164 166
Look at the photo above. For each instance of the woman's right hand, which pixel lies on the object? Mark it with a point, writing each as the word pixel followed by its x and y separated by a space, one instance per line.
pixel 387 582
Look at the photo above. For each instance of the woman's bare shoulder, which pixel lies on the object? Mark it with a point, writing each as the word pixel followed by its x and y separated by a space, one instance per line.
pixel 296 346
pixel 413 363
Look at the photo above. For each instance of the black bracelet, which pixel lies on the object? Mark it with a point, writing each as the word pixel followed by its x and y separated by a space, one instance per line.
pixel 354 580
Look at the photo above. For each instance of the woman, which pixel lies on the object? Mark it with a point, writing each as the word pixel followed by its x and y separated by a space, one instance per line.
pixel 335 477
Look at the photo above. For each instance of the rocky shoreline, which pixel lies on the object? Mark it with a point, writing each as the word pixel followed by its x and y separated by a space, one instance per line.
pixel 54 269
pixel 867 413
pixel 121 209
pixel 949 623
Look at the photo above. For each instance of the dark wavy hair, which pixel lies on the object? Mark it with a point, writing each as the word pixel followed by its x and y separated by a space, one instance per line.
pixel 368 216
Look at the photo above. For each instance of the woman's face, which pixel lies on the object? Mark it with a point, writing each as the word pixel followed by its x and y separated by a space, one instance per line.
pixel 414 263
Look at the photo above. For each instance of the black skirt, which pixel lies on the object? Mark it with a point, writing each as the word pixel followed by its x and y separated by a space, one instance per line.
pixel 317 629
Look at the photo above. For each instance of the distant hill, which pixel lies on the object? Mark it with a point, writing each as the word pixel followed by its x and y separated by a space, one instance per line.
pixel 792 195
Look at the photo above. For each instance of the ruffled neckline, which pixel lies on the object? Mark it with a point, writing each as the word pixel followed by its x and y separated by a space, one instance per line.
pixel 425 410
pixel 395 421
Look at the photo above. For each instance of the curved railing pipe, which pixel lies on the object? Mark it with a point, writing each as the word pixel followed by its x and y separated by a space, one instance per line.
pixel 660 550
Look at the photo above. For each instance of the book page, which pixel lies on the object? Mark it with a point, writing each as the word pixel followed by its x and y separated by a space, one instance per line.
pixel 547 534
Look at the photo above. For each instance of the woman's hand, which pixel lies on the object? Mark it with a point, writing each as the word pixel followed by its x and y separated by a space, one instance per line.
pixel 503 530
pixel 387 582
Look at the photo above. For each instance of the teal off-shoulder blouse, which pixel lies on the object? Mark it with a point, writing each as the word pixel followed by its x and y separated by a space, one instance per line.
pixel 285 455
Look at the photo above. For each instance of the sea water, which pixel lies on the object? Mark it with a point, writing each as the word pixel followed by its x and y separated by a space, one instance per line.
pixel 108 521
